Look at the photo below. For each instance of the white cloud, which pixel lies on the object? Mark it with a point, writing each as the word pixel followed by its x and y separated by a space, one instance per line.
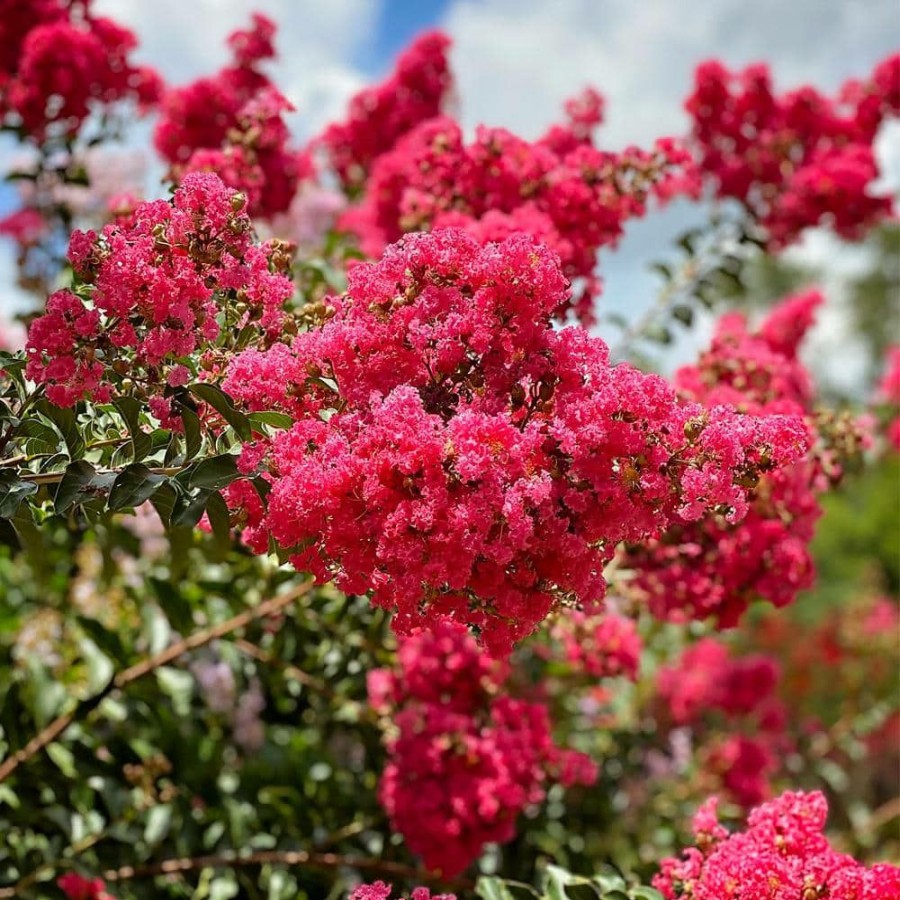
pixel 516 60
pixel 316 44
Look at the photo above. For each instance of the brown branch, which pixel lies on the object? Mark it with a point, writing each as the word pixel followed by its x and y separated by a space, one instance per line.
pixel 25 458
pixel 55 477
pixel 121 680
pixel 283 858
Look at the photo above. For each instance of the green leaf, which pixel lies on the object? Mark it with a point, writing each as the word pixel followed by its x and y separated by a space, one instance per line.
pixel 609 878
pixel 490 887
pixel 214 473
pixel 659 334
pixel 219 518
pixel 271 417
pixel 584 890
pixel 133 485
pixel 177 609
pixel 65 421
pixel 29 535
pixel 222 404
pixel 189 507
pixel 39 437
pixel 63 758
pixel 684 314
pixel 10 362
pixel 130 410
pixel 164 500
pixel 663 269
pixel 108 641
pixel 79 476
pixel 192 439
pixel 13 490
pixel 159 820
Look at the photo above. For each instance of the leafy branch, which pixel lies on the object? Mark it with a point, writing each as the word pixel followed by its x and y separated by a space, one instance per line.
pixel 121 680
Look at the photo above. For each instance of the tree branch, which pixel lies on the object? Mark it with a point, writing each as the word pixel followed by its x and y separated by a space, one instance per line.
pixel 122 679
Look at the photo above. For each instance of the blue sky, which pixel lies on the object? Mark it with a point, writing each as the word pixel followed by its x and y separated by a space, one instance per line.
pixel 516 60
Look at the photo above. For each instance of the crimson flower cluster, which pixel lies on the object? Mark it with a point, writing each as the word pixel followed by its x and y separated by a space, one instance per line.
pixel 783 853
pixel 232 124
pixel 59 61
pixel 410 169
pixel 711 567
pixel 708 681
pixel 149 292
pixel 561 190
pixel 601 646
pixel 459 457
pixel 797 159
pixel 465 761
pixel 378 116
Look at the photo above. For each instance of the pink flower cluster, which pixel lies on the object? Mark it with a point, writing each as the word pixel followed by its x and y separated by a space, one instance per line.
pixel 707 681
pixel 459 457
pixel 889 393
pixel 465 761
pixel 561 190
pixel 379 116
pixel 797 159
pixel 77 887
pixel 601 646
pixel 707 677
pixel 232 124
pixel 381 891
pixel 782 854
pixel 59 61
pixel 149 291
pixel 711 567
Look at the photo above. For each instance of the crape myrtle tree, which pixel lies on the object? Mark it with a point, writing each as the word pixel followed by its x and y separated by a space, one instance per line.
pixel 344 551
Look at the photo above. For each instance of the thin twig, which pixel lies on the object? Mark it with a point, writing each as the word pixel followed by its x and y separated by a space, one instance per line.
pixel 25 458
pixel 55 477
pixel 121 680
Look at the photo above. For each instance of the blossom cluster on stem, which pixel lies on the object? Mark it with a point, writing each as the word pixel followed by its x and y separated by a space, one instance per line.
pixel 782 853
pixel 798 159
pixel 149 293
pixel 458 457
pixel 465 758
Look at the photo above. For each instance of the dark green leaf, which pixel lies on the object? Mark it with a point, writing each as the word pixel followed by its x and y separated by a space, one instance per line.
pixel 219 518
pixel 66 423
pixel 108 641
pixel 79 476
pixel 130 410
pixel 684 314
pixel 270 417
pixel 133 485
pixel 215 473
pixel 189 507
pixel 164 500
pixel 223 405
pixel 192 439
pixel 12 492
pixel 178 610
pixel 662 269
